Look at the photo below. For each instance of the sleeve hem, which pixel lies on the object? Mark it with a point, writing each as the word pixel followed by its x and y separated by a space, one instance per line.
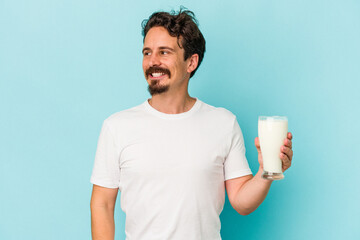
pixel 237 174
pixel 103 183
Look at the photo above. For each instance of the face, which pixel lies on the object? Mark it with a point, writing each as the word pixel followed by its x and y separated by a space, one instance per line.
pixel 163 62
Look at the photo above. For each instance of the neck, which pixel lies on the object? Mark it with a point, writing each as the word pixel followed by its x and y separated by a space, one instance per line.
pixel 172 104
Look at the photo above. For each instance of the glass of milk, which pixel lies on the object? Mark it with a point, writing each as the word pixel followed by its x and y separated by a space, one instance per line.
pixel 272 133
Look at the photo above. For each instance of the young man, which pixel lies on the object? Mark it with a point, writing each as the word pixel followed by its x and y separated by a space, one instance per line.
pixel 173 156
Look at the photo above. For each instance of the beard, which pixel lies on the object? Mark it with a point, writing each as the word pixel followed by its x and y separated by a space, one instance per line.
pixel 155 88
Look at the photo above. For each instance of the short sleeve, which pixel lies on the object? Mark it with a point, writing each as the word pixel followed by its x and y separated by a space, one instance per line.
pixel 236 164
pixel 106 171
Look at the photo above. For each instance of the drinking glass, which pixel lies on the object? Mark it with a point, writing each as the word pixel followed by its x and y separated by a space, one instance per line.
pixel 272 131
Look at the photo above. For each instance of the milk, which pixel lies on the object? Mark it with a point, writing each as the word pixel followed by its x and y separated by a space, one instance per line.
pixel 272 133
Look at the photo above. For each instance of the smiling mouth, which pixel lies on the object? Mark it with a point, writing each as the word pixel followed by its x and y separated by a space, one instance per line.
pixel 156 73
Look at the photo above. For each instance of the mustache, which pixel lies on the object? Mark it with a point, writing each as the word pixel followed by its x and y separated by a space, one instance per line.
pixel 151 70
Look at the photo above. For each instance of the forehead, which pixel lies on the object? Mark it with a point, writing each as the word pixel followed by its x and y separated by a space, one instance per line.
pixel 159 36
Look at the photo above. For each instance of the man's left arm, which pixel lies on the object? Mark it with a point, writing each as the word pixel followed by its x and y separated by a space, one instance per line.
pixel 248 192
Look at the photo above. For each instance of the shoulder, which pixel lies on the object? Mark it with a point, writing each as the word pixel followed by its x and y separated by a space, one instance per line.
pixel 218 118
pixel 127 115
pixel 220 113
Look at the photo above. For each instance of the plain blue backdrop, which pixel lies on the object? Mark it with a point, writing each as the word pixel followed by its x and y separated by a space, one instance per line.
pixel 66 65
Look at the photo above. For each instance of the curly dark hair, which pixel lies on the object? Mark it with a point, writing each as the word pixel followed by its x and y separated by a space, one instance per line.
pixel 184 26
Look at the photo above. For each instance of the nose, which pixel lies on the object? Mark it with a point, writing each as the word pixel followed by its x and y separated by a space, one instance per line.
pixel 154 60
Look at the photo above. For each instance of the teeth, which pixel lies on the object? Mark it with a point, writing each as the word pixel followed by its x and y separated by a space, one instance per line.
pixel 157 74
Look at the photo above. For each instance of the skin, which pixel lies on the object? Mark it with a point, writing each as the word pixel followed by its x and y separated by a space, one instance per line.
pixel 102 207
pixel 248 192
pixel 161 50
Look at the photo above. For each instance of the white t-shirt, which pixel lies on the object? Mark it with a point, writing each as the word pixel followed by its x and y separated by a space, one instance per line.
pixel 170 169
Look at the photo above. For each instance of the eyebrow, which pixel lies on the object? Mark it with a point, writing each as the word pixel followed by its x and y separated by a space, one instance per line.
pixel 161 48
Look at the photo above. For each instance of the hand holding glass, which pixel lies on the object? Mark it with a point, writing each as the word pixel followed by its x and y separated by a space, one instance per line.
pixel 272 133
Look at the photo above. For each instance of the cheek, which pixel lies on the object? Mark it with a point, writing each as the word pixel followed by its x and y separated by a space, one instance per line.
pixel 144 64
pixel 182 68
pixel 144 67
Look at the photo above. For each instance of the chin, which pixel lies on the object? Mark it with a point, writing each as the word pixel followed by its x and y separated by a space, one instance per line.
pixel 157 89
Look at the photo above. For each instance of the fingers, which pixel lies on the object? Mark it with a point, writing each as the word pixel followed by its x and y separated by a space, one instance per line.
pixel 286 162
pixel 287 151
pixel 257 142
pixel 289 136
pixel 288 142
pixel 286 157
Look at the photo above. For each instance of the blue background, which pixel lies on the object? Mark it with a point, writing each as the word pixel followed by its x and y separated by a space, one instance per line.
pixel 65 66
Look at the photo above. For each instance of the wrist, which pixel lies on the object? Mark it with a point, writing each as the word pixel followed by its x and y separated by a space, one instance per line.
pixel 259 178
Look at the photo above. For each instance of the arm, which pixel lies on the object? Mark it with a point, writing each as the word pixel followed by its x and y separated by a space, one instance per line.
pixel 248 192
pixel 102 207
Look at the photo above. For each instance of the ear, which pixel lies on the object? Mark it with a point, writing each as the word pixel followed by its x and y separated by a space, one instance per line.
pixel 193 63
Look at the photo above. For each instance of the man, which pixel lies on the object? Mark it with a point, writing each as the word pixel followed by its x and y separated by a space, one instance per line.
pixel 173 156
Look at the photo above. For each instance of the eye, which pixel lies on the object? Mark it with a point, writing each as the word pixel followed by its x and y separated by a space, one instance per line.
pixel 164 52
pixel 146 53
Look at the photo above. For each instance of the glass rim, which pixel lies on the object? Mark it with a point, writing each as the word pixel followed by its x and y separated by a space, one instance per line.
pixel 273 118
